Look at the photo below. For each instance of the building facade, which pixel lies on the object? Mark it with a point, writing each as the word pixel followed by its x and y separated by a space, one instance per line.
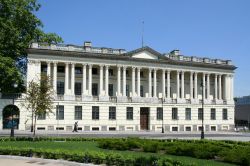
pixel 242 111
pixel 110 89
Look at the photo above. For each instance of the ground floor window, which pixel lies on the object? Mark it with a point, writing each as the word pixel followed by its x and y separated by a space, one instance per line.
pixel 112 113
pixel 174 128
pixel 95 113
pixel 129 113
pixel 59 112
pixel 78 112
pixel 159 113
pixel 174 113
pixel 213 128
pixel 41 116
pixel 188 128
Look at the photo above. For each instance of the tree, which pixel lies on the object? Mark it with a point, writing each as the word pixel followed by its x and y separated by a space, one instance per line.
pixel 19 26
pixel 38 99
pixel 9 75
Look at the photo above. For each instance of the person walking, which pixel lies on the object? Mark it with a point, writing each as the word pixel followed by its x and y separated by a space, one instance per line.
pixel 75 127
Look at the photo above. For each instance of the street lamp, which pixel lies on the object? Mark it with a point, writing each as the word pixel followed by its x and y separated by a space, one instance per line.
pixel 162 127
pixel 12 119
pixel 202 105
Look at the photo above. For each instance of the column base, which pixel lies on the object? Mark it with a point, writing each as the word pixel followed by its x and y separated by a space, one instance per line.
pixel 87 98
pixel 69 97
pixel 103 98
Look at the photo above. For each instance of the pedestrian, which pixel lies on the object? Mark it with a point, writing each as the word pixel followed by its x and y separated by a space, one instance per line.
pixel 75 127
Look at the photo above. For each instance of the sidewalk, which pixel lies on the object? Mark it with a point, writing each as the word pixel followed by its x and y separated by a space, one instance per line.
pixel 26 161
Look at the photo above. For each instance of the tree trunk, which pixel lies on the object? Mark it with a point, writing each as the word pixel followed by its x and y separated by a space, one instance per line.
pixel 32 119
pixel 34 129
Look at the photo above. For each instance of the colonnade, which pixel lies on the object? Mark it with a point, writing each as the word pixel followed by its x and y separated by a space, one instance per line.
pixel 225 80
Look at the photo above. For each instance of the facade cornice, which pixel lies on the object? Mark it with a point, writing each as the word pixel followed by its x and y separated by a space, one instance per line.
pixel 122 57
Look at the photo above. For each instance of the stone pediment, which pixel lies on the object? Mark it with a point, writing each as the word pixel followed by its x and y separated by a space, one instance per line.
pixel 145 53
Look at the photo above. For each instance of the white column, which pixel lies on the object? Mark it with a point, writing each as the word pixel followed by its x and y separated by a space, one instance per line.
pixel 191 85
pixel 55 77
pixel 227 87
pixel 84 73
pixel 72 79
pixel 232 87
pixel 220 96
pixel 118 80
pixel 138 81
pixel 107 80
pixel 124 81
pixel 66 78
pixel 215 87
pixel 133 81
pixel 155 83
pixel 208 86
pixel 163 84
pixel 182 85
pixel 168 84
pixel 177 84
pixel 48 70
pixel 101 80
pixel 204 85
pixel 90 79
pixel 149 82
pixel 195 85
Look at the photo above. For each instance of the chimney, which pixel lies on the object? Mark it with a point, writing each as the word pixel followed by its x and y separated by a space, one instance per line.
pixel 87 44
pixel 175 52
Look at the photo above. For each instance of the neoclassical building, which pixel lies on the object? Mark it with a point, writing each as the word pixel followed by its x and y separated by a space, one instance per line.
pixel 108 89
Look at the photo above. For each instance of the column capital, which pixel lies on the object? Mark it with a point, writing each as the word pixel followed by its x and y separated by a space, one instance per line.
pixel 164 70
pixel 72 63
pixel 150 69
pixel 66 63
pixel 84 64
pixel 124 67
pixel 48 62
pixel 182 72
pixel 107 66
pixel 55 62
pixel 155 69
pixel 90 65
pixel 119 66
pixel 133 67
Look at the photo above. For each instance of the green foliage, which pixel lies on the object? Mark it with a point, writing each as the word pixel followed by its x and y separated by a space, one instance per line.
pixel 228 151
pixel 19 26
pixel 9 75
pixel 38 98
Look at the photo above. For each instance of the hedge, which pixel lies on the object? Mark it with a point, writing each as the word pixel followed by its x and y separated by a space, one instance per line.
pixel 93 157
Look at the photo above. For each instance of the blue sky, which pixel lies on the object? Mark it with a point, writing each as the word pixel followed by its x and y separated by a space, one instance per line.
pixel 212 28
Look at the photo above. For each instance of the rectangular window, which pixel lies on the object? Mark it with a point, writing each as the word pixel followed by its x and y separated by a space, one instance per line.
pixel 213 114
pixel 44 68
pixel 188 114
pixel 78 88
pixel 95 89
pixel 60 88
pixel 78 70
pixel 141 91
pixel 141 74
pixel 129 113
pixel 127 73
pixel 127 90
pixel 78 112
pixel 59 112
pixel 159 113
pixel 174 113
pixel 41 116
pixel 200 113
pixel 111 72
pixel 95 113
pixel 94 71
pixel 224 116
pixel 111 89
pixel 61 69
pixel 112 113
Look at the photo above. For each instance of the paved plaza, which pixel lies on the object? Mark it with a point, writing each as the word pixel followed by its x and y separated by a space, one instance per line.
pixel 236 136
pixel 26 161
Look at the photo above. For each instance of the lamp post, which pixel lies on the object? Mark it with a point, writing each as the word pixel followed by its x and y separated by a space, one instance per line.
pixel 162 126
pixel 12 118
pixel 202 119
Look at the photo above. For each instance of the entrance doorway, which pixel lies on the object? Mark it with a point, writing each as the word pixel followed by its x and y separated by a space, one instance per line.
pixel 10 117
pixel 144 118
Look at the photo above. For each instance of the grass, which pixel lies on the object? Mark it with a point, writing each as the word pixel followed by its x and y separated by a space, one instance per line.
pixel 79 147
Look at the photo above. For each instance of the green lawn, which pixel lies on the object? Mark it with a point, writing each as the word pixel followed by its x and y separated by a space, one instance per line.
pixel 79 147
